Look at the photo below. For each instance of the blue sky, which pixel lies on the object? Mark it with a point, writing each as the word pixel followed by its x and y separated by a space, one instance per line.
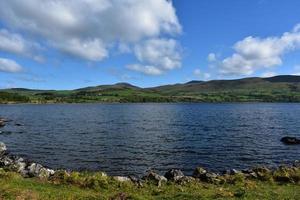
pixel 65 45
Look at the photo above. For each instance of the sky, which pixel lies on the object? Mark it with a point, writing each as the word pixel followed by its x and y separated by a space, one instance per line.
pixel 62 44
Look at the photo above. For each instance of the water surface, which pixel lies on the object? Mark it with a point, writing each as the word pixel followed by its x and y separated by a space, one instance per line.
pixel 124 139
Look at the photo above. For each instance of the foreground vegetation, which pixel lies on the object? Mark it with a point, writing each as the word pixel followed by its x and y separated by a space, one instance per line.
pixel 280 184
pixel 275 89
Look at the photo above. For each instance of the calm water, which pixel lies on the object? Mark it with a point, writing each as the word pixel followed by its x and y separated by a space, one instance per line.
pixel 128 139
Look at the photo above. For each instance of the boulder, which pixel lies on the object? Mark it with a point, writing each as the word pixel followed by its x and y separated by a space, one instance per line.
pixel 45 173
pixel 185 179
pixel 2 148
pixel 18 164
pixel 39 171
pixel 24 173
pixel 226 172
pixel 34 169
pixel 261 170
pixel 234 171
pixel 2 124
pixel 249 173
pixel 136 181
pixel 296 164
pixel 262 173
pixel 5 120
pixel 174 174
pixel 154 177
pixel 199 172
pixel 6 161
pixel 21 166
pixel 203 175
pixel 290 140
pixel 211 178
pixel 121 178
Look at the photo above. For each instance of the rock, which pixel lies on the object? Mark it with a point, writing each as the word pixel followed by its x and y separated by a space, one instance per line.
pixel 24 173
pixel 2 124
pixel 226 172
pixel 211 178
pixel 234 171
pixel 249 173
pixel 18 164
pixel 296 164
pixel 5 120
pixel 199 172
pixel 34 169
pixel 174 174
pixel 5 161
pixel 121 178
pixel 262 173
pixel 39 171
pixel 290 140
pixel 18 124
pixel 45 173
pixel 2 148
pixel 203 175
pixel 136 181
pixel 261 170
pixel 156 178
pixel 185 180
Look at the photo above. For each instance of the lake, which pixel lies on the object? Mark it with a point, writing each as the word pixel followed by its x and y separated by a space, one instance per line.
pixel 126 139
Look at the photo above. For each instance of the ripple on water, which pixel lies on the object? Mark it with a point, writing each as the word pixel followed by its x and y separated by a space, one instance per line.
pixel 125 139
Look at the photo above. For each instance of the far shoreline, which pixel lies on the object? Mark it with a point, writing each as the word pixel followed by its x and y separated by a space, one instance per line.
pixel 124 103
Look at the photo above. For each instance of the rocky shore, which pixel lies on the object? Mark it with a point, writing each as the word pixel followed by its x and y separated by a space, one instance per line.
pixel 24 179
pixel 28 169
pixel 22 166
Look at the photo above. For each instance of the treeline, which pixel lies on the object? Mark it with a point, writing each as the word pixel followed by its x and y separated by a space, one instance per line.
pixel 141 97
pixel 6 97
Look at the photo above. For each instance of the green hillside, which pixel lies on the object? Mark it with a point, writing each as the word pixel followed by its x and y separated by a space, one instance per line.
pixel 275 89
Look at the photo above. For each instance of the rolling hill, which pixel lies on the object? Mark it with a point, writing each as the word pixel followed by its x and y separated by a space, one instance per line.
pixel 285 88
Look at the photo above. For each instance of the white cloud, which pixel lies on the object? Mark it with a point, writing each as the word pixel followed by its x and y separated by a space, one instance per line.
pixel 16 44
pixel 161 54
pixel 197 72
pixel 253 53
pixel 93 50
pixel 89 28
pixel 201 75
pixel 145 69
pixel 211 57
pixel 10 66
pixel 296 70
pixel 206 76
pixel 268 74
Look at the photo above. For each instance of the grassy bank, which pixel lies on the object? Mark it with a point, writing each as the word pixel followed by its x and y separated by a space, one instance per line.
pixel 281 184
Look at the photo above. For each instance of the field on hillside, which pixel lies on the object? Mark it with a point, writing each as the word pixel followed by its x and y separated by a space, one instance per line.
pixel 276 89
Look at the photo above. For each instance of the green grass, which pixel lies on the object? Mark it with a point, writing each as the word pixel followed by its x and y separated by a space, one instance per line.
pixel 96 186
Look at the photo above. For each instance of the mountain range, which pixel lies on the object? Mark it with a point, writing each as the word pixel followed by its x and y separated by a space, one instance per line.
pixel 284 88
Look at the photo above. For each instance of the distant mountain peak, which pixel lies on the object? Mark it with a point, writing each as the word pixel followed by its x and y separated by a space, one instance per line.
pixel 125 84
pixel 284 78
pixel 194 82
